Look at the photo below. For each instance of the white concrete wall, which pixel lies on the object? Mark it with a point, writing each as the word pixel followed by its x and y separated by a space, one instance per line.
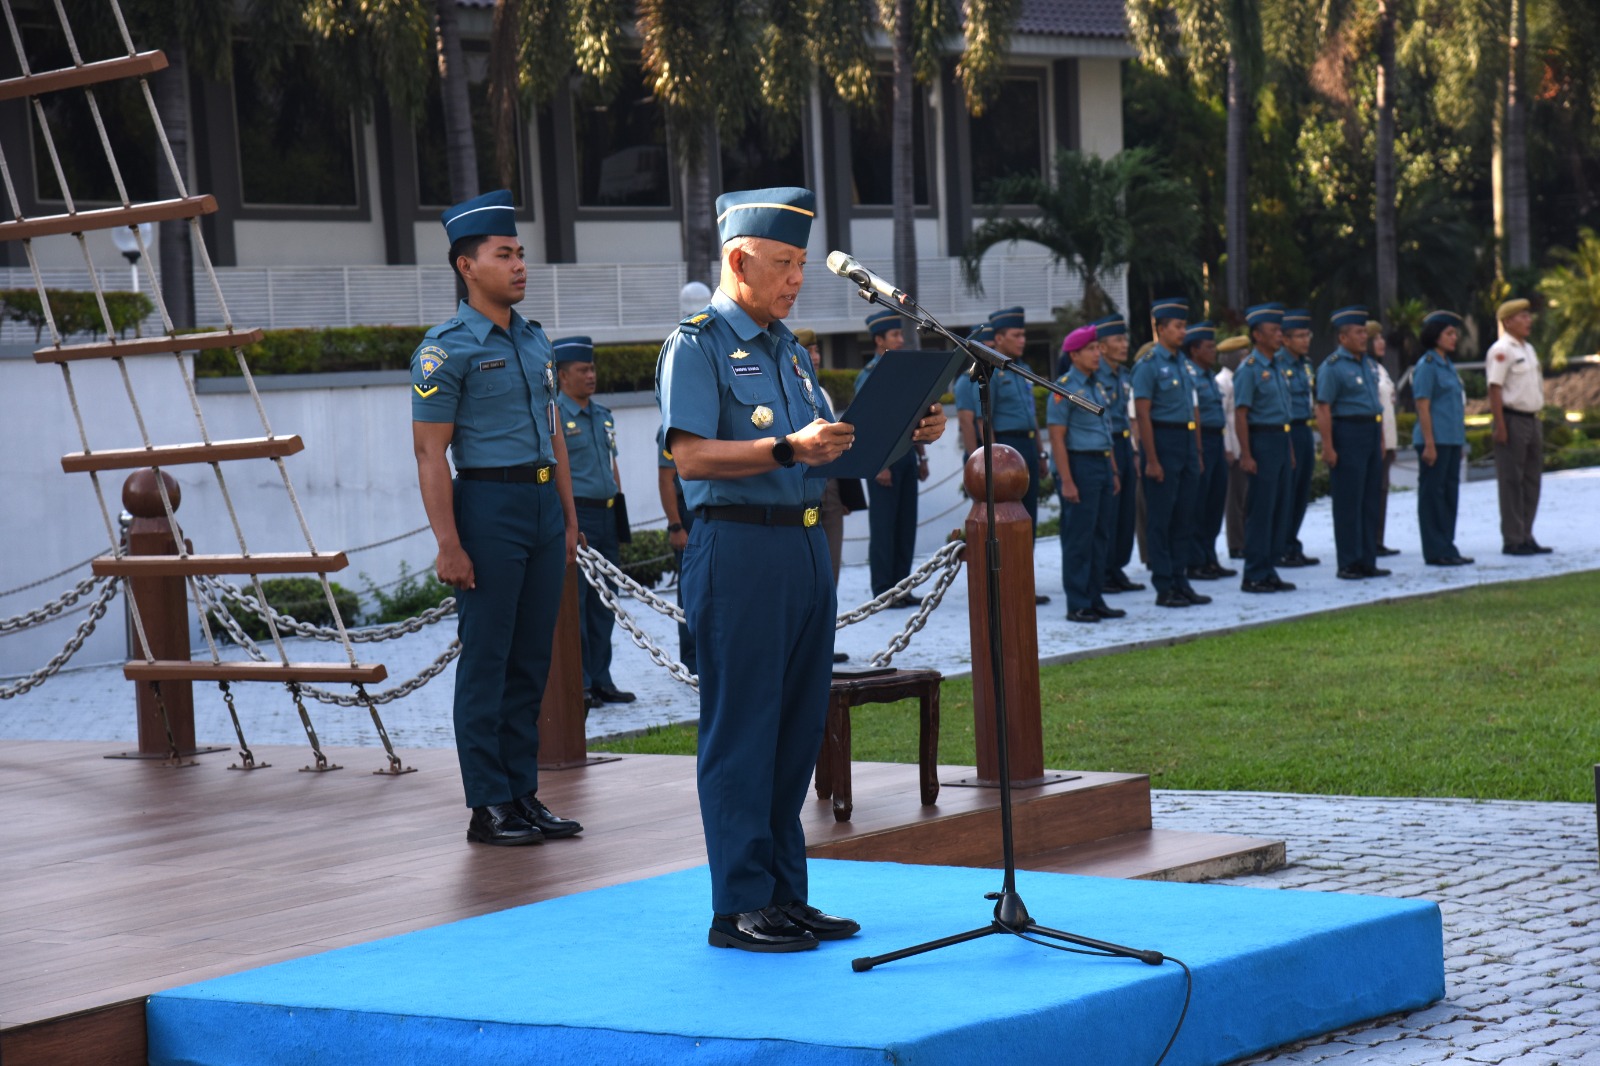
pixel 284 242
pixel 628 242
pixel 1100 105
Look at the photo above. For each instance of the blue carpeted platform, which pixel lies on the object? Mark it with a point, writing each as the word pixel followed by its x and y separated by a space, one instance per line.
pixel 624 975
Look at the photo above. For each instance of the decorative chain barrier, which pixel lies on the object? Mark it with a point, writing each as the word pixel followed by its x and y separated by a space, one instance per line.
pixel 50 577
pixel 369 635
pixel 950 558
pixel 596 568
pixel 47 613
pixel 97 610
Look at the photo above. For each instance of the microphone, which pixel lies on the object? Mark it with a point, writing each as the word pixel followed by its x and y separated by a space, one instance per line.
pixel 848 266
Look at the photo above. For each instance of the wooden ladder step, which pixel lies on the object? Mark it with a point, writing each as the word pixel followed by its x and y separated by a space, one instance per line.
pixel 196 565
pixel 49 81
pixel 201 670
pixel 178 454
pixel 188 342
pixel 107 218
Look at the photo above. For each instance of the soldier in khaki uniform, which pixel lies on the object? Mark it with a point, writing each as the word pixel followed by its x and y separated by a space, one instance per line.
pixel 1516 396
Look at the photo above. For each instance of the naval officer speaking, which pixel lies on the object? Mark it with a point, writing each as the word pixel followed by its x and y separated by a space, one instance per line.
pixel 743 418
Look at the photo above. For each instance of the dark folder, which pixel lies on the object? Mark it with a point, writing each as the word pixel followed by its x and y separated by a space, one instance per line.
pixel 885 412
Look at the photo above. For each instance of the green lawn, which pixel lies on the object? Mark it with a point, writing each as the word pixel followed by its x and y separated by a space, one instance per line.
pixel 1488 693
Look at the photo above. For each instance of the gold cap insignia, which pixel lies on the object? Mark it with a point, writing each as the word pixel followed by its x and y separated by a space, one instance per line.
pixel 761 417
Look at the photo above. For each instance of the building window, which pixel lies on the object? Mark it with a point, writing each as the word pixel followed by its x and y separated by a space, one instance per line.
pixel 753 162
pixel 83 158
pixel 433 163
pixel 871 137
pixel 293 148
pixel 621 145
pixel 1008 140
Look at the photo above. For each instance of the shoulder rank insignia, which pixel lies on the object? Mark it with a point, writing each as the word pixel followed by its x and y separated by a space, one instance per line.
pixel 738 353
pixel 696 322
pixel 429 359
pixel 426 392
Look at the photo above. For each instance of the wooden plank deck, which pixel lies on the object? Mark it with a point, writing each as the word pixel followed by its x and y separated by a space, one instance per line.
pixel 123 878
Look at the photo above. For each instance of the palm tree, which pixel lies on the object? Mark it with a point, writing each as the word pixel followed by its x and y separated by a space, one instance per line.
pixel 1384 170
pixel 1570 324
pixel 1095 217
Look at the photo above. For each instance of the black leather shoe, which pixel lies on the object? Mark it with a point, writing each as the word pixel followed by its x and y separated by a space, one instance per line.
pixel 1376 571
pixel 539 816
pixel 1462 560
pixel 1108 612
pixel 1172 598
pixel 1194 597
pixel 1351 573
pixel 822 926
pixel 1235 555
pixel 1382 550
pixel 907 600
pixel 767 929
pixel 1200 573
pixel 1119 582
pixel 1517 549
pixel 1290 561
pixel 591 701
pixel 1040 599
pixel 1537 549
pixel 1257 586
pixel 612 694
pixel 841 657
pixel 502 824
pixel 1220 571
pixel 1454 560
pixel 1086 614
pixel 1279 584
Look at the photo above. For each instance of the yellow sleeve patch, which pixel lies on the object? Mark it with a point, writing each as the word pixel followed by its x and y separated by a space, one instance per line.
pixel 426 392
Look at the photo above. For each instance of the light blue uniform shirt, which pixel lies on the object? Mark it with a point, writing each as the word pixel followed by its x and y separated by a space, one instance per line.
pixel 1085 432
pixel 497 386
pixel 1435 380
pixel 591 435
pixel 1258 386
pixel 966 391
pixel 1118 385
pixel 719 377
pixel 1348 384
pixel 1163 379
pixel 1212 416
pixel 1297 374
pixel 1014 410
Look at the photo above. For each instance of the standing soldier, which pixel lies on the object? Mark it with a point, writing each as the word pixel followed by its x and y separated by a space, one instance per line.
pixel 1293 362
pixel 1261 419
pixel 1440 434
pixel 1211 489
pixel 1114 376
pixel 969 419
pixel 892 495
pixel 1516 396
pixel 483 387
pixel 679 521
pixel 1169 436
pixel 1086 478
pixel 1016 417
pixel 1350 418
pixel 591 435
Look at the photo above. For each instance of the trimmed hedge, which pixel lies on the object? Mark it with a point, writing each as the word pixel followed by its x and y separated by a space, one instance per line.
pixel 75 311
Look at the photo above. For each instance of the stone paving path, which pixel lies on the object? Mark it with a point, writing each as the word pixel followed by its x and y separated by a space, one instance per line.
pixel 1520 891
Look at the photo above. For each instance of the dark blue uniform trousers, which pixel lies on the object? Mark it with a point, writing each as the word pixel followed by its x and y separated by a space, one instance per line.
pixel 512 532
pixel 1269 504
pixel 1028 448
pixel 1169 507
pixel 1211 499
pixel 892 524
pixel 685 641
pixel 1357 491
pixel 761 606
pixel 1086 531
pixel 1438 493
pixel 1126 505
pixel 595 620
pixel 1305 464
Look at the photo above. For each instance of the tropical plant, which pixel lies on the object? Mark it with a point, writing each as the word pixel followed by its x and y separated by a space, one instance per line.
pixel 1570 322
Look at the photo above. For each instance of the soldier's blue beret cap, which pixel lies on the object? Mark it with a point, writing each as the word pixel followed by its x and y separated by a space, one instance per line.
pixel 781 214
pixel 489 215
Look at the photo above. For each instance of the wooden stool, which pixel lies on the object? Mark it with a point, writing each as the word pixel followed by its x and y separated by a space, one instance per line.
pixel 833 762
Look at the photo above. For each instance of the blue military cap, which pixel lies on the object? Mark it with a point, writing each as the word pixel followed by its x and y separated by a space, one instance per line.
pixel 1170 307
pixel 1109 326
pixel 573 350
pixel 1200 331
pixel 1008 318
pixel 1264 315
pixel 882 321
pixel 983 333
pixel 1348 316
pixel 1299 318
pixel 489 215
pixel 1443 318
pixel 780 214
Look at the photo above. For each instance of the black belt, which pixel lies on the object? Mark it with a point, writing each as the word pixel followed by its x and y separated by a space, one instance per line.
pixel 1519 414
pixel 1095 454
pixel 1029 433
pixel 1124 434
pixel 1309 422
pixel 537 473
pixel 1210 432
pixel 595 502
pixel 1358 418
pixel 756 515
pixel 1269 427
pixel 1173 425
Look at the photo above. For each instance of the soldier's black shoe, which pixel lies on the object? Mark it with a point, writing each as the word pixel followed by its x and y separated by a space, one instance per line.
pixel 591 701
pixel 841 657
pixel 540 817
pixel 1453 560
pixel 767 929
pixel 1375 571
pixel 1173 598
pixel 1108 612
pixel 822 926
pixel 1382 550
pixel 1220 571
pixel 1194 597
pixel 1280 585
pixel 1201 573
pixel 1257 586
pixel 1518 549
pixel 1117 581
pixel 1351 573
pixel 1087 615
pixel 1040 599
pixel 612 694
pixel 502 824
pixel 1537 548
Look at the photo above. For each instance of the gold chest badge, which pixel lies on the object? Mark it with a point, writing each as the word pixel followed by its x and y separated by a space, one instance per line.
pixel 761 417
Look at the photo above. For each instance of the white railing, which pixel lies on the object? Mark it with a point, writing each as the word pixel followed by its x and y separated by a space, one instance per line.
pixel 609 301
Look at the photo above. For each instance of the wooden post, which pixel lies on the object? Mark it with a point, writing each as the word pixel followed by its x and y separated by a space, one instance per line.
pixel 164 609
pixel 1018 621
pixel 562 740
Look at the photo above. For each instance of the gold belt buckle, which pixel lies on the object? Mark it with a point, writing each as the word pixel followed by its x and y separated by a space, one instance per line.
pixel 1286 427
pixel 611 501
pixel 543 475
pixel 1377 418
pixel 1191 425
pixel 812 516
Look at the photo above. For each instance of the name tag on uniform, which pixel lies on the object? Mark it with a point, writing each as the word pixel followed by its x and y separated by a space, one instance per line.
pixel 744 370
pixel 492 364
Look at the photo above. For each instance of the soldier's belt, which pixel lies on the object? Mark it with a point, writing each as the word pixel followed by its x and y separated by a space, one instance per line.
pixel 754 515
pixel 596 502
pixel 1125 434
pixel 536 473
pixel 1269 427
pixel 1212 431
pixel 1312 422
pixel 1519 414
pixel 1091 453
pixel 1172 425
pixel 1358 418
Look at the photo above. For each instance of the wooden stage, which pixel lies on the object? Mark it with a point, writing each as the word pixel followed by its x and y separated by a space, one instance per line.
pixel 123 878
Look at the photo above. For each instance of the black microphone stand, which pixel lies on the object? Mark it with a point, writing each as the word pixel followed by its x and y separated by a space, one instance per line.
pixel 1010 915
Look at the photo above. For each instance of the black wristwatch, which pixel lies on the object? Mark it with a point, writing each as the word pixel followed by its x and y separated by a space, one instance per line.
pixel 675 527
pixel 783 452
